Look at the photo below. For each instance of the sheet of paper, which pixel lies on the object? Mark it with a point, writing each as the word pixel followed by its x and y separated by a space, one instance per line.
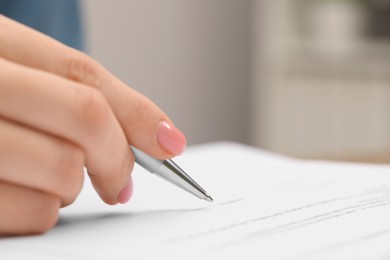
pixel 266 207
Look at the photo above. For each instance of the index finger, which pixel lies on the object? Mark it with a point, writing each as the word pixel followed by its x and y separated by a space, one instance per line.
pixel 145 125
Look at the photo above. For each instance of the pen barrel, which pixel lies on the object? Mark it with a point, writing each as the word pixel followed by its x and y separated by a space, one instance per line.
pixel 180 179
pixel 170 171
pixel 147 162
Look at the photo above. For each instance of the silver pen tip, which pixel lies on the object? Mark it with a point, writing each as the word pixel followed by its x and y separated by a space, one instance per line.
pixel 208 198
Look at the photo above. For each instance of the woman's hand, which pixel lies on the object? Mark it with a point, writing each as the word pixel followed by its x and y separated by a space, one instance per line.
pixel 59 111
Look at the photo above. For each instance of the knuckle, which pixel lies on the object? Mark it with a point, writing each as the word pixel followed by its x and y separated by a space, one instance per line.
pixel 93 110
pixel 26 211
pixel 44 214
pixel 70 173
pixel 80 67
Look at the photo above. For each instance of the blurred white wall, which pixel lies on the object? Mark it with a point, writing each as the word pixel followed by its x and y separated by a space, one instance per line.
pixel 192 57
pixel 324 94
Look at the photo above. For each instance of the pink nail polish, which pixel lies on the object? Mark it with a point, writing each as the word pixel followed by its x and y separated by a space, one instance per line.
pixel 126 193
pixel 171 139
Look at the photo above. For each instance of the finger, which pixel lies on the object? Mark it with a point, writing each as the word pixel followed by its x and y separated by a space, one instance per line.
pixel 35 160
pixel 26 211
pixel 74 112
pixel 145 125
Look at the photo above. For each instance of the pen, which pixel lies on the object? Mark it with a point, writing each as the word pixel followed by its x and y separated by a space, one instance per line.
pixel 170 171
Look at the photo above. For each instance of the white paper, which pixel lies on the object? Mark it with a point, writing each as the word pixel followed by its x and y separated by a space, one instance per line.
pixel 266 207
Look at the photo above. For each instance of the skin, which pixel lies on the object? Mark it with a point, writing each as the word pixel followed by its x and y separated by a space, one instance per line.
pixel 61 111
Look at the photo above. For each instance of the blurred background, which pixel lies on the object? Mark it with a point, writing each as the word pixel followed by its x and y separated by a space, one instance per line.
pixel 309 78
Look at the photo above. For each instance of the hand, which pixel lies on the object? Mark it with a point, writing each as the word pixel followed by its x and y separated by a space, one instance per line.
pixel 60 111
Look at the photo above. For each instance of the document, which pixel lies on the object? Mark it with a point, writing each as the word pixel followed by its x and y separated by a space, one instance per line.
pixel 266 206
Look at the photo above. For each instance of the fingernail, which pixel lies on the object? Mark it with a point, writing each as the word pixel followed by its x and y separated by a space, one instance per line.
pixel 171 139
pixel 126 193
